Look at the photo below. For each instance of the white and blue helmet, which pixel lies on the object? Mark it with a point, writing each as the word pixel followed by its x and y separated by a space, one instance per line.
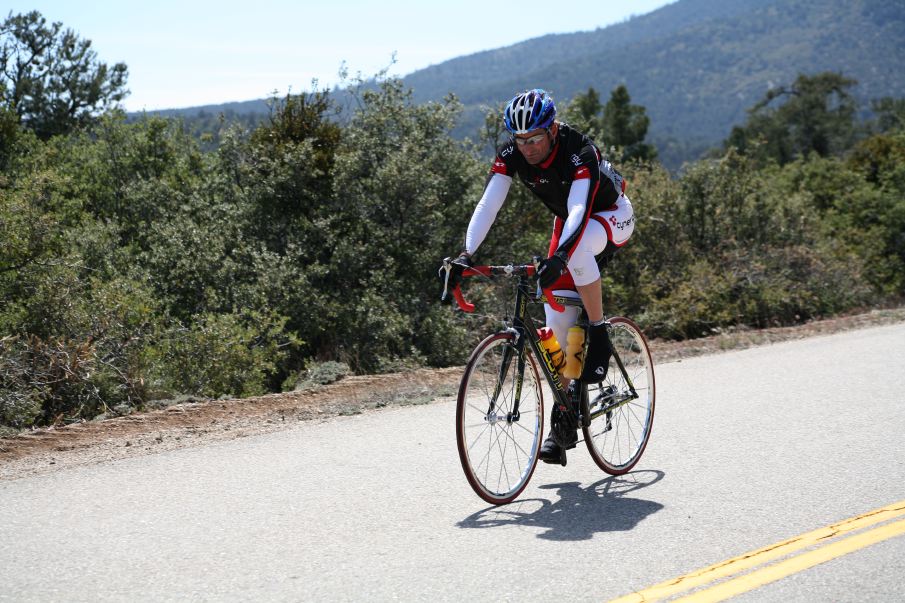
pixel 530 110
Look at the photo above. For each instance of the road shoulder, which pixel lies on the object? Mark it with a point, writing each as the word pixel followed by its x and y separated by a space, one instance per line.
pixel 201 422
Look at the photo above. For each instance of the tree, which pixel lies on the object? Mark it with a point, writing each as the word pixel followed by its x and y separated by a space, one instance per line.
pixel 51 78
pixel 817 115
pixel 890 114
pixel 626 124
pixel 9 136
pixel 583 112
pixel 622 124
pixel 291 161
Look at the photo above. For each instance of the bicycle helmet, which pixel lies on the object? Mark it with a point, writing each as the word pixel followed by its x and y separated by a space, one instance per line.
pixel 530 110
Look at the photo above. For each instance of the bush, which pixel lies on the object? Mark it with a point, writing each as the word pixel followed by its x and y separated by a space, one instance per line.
pixel 317 374
pixel 221 354
pixel 80 352
pixel 47 381
pixel 760 288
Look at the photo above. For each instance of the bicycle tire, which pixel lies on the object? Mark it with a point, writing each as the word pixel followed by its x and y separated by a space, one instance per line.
pixel 617 440
pixel 499 455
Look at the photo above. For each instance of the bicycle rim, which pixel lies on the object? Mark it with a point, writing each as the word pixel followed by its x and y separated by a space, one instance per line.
pixel 499 454
pixel 616 438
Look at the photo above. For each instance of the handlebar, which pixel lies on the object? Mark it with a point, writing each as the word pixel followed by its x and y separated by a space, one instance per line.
pixel 523 270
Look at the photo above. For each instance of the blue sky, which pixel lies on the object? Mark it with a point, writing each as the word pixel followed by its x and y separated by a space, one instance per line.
pixel 202 52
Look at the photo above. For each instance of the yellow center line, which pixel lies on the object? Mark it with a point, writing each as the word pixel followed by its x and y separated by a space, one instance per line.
pixel 762 555
pixel 796 564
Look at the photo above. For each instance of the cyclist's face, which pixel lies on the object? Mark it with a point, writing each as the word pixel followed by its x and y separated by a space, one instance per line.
pixel 536 144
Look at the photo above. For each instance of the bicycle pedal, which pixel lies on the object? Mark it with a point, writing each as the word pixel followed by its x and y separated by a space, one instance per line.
pixel 562 456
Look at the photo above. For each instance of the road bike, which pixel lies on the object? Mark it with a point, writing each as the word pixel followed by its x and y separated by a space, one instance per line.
pixel 500 406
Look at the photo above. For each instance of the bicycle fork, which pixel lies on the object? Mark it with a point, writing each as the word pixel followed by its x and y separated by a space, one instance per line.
pixel 505 362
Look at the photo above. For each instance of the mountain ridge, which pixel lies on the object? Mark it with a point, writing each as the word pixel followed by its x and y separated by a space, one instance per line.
pixel 696 65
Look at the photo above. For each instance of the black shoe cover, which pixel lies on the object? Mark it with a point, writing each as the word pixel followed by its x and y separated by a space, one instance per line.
pixel 597 357
pixel 551 452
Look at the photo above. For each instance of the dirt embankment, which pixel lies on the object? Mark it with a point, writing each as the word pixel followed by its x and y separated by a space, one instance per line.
pixel 200 422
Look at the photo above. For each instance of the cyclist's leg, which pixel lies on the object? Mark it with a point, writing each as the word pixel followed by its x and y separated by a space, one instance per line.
pixel 586 274
pixel 561 322
pixel 592 299
pixel 608 228
pixel 583 266
pixel 612 228
pixel 618 221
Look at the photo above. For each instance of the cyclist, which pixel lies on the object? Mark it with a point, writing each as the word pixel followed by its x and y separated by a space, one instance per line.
pixel 593 218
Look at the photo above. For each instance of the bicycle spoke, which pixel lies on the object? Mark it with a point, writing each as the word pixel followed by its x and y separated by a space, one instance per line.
pixel 478 439
pixel 485 459
pixel 503 461
pixel 515 442
pixel 525 428
pixel 490 449
pixel 483 412
pixel 511 439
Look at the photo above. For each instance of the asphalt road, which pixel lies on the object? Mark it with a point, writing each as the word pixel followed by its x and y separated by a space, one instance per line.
pixel 748 449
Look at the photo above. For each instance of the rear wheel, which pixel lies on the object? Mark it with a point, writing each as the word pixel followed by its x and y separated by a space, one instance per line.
pixel 621 424
pixel 499 449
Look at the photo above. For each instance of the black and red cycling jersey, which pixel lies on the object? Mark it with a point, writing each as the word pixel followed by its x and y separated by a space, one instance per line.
pixel 574 157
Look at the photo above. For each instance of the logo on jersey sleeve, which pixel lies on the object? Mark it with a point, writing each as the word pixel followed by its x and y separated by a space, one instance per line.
pixel 582 172
pixel 499 167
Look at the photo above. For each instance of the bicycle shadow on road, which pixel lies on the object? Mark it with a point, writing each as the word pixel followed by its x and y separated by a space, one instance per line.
pixel 580 511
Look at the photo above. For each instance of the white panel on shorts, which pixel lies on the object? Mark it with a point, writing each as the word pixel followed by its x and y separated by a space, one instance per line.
pixel 620 221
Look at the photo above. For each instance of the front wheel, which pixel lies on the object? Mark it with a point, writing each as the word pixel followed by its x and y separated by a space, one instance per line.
pixel 621 421
pixel 498 446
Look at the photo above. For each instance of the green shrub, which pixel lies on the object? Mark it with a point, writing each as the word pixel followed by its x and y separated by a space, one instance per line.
pixel 221 354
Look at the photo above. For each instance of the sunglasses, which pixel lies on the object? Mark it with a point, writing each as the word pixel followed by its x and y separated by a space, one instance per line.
pixel 533 140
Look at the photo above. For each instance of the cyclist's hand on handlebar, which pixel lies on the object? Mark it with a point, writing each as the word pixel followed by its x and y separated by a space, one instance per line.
pixel 450 274
pixel 550 270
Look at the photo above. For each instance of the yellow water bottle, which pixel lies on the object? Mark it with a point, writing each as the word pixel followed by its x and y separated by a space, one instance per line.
pixel 548 340
pixel 574 353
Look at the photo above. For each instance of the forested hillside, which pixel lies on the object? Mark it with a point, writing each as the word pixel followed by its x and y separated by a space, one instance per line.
pixel 696 65
pixel 137 265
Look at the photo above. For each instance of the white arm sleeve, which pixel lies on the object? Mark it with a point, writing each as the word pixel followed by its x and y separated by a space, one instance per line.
pixel 577 207
pixel 485 213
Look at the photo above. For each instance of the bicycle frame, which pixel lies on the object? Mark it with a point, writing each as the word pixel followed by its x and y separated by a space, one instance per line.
pixel 526 331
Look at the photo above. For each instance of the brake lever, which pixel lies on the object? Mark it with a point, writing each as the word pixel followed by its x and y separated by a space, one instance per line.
pixel 446 267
